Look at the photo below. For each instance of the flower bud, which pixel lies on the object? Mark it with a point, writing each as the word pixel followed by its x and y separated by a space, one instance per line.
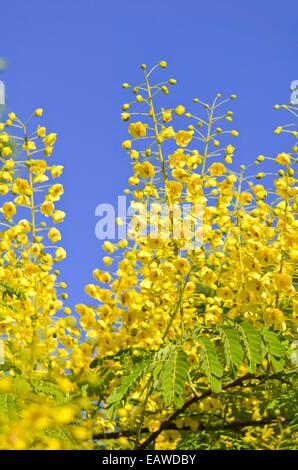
pixel 163 64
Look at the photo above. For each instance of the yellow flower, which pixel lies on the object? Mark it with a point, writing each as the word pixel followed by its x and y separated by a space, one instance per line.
pixel 163 64
pixel 12 116
pixel 137 129
pixel 38 112
pixel 166 133
pixel 48 151
pixel 58 216
pixel 50 140
pixel 126 145
pixel 56 171
pixel 55 192
pixel 47 208
pixel 230 149
pixel 183 138
pixel 63 414
pixel 283 159
pixel 146 170
pixel 166 115
pixel 108 247
pixel 180 110
pixel 217 169
pixel 174 189
pixel 21 186
pixel 41 131
pixel 29 145
pixel 3 189
pixel 6 151
pixel 107 260
pixel 8 209
pixel 60 253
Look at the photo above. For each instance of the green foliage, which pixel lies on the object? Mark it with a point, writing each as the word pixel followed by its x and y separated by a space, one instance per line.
pixel 232 346
pixel 127 384
pixel 8 406
pixel 274 349
pixel 174 376
pixel 220 357
pixel 210 364
pixel 48 389
pixel 252 344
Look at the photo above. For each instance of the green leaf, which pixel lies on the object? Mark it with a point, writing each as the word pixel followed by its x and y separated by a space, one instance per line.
pixel 232 346
pixel 8 406
pixel 252 344
pixel 272 342
pixel 127 384
pixel 62 434
pixel 174 377
pixel 49 389
pixel 274 349
pixel 210 363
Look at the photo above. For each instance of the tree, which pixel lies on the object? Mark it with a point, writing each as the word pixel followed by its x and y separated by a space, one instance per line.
pixel 187 340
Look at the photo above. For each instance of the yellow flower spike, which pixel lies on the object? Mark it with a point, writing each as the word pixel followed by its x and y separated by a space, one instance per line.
pixel 151 294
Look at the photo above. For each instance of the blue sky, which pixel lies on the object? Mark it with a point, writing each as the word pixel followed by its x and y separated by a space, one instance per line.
pixel 70 57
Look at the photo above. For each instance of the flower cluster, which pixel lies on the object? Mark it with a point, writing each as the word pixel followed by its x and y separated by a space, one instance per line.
pixel 195 317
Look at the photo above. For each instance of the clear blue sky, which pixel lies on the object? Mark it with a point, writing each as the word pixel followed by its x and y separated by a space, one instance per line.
pixel 70 57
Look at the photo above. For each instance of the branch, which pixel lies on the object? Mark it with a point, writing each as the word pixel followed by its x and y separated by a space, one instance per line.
pixel 171 426
pixel 201 396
